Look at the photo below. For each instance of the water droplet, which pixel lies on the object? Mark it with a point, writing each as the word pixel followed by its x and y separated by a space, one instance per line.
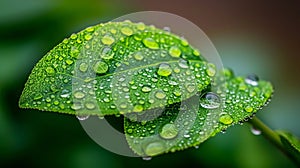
pixel 168 131
pixel 168 29
pixel 50 70
pixel 138 108
pixel 38 96
pixel 138 56
pixel 211 69
pixel 146 89
pixel 164 70
pixel 160 94
pixel 175 51
pixel 196 52
pixel 107 40
pixel 76 106
pixel 100 67
pixel 183 63
pixel 249 109
pixel 177 92
pixel 225 119
pixel 126 31
pixel 147 158
pixel 154 148
pixel 210 100
pixel 252 79
pixel 106 53
pixel 65 93
pixel 190 87
pixel 69 62
pixel 255 131
pixel 83 67
pixel 141 26
pixel 150 43
pixel 90 105
pixel 88 37
pixel 79 95
pixel 82 117
pixel 184 42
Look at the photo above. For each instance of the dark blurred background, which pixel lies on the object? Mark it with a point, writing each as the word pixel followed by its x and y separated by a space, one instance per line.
pixel 251 36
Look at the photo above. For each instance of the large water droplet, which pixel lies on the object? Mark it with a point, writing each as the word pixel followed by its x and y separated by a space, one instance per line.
pixel 225 119
pixel 82 117
pixel 107 40
pixel 255 131
pixel 150 43
pixel 175 51
pixel 168 131
pixel 164 70
pixel 210 100
pixel 100 67
pixel 154 148
pixel 252 79
pixel 126 31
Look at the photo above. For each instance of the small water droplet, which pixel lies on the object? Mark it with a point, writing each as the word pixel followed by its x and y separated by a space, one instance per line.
pixel 69 62
pixel 50 70
pixel 138 56
pixel 107 40
pixel 38 96
pixel 210 100
pixel 177 92
pixel 126 31
pixel 252 79
pixel 141 26
pixel 225 119
pixel 106 53
pixel 164 70
pixel 183 63
pixel 146 89
pixel 168 131
pixel 249 109
pixel 150 43
pixel 82 117
pixel 160 94
pixel 88 37
pixel 255 131
pixel 100 67
pixel 65 93
pixel 190 87
pixel 211 69
pixel 138 108
pixel 154 148
pixel 83 67
pixel 196 52
pixel 175 51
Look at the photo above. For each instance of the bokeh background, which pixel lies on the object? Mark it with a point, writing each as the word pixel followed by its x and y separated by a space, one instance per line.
pixel 252 36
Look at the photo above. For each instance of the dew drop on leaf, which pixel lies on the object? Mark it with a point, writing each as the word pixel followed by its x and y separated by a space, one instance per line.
pixel 183 63
pixel 126 31
pixel 210 100
pixel 249 109
pixel 211 69
pixel 175 51
pixel 146 89
pixel 83 67
pixel 50 70
pixel 160 94
pixel 150 43
pixel 79 95
pixel 255 131
pixel 138 108
pixel 107 40
pixel 138 56
pixel 82 117
pixel 154 148
pixel 252 79
pixel 168 131
pixel 100 67
pixel 225 119
pixel 164 70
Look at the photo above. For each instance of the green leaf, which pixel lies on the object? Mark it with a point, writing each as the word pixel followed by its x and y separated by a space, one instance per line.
pixel 187 124
pixel 116 68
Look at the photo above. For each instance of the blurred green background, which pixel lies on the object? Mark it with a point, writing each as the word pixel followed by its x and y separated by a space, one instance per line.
pixel 251 37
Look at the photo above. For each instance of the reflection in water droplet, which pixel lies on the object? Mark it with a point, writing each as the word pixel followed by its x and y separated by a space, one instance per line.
pixel 89 105
pixel 168 131
pixel 150 43
pixel 175 51
pixel 210 100
pixel 255 131
pixel 252 79
pixel 82 117
pixel 164 70
pixel 100 67
pixel 147 158
pixel 146 89
pixel 79 95
pixel 83 67
pixel 154 148
pixel 190 87
pixel 211 69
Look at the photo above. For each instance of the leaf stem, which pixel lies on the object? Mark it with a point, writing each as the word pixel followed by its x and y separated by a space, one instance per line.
pixel 272 136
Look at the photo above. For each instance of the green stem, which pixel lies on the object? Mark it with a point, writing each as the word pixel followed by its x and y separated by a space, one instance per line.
pixel 272 136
